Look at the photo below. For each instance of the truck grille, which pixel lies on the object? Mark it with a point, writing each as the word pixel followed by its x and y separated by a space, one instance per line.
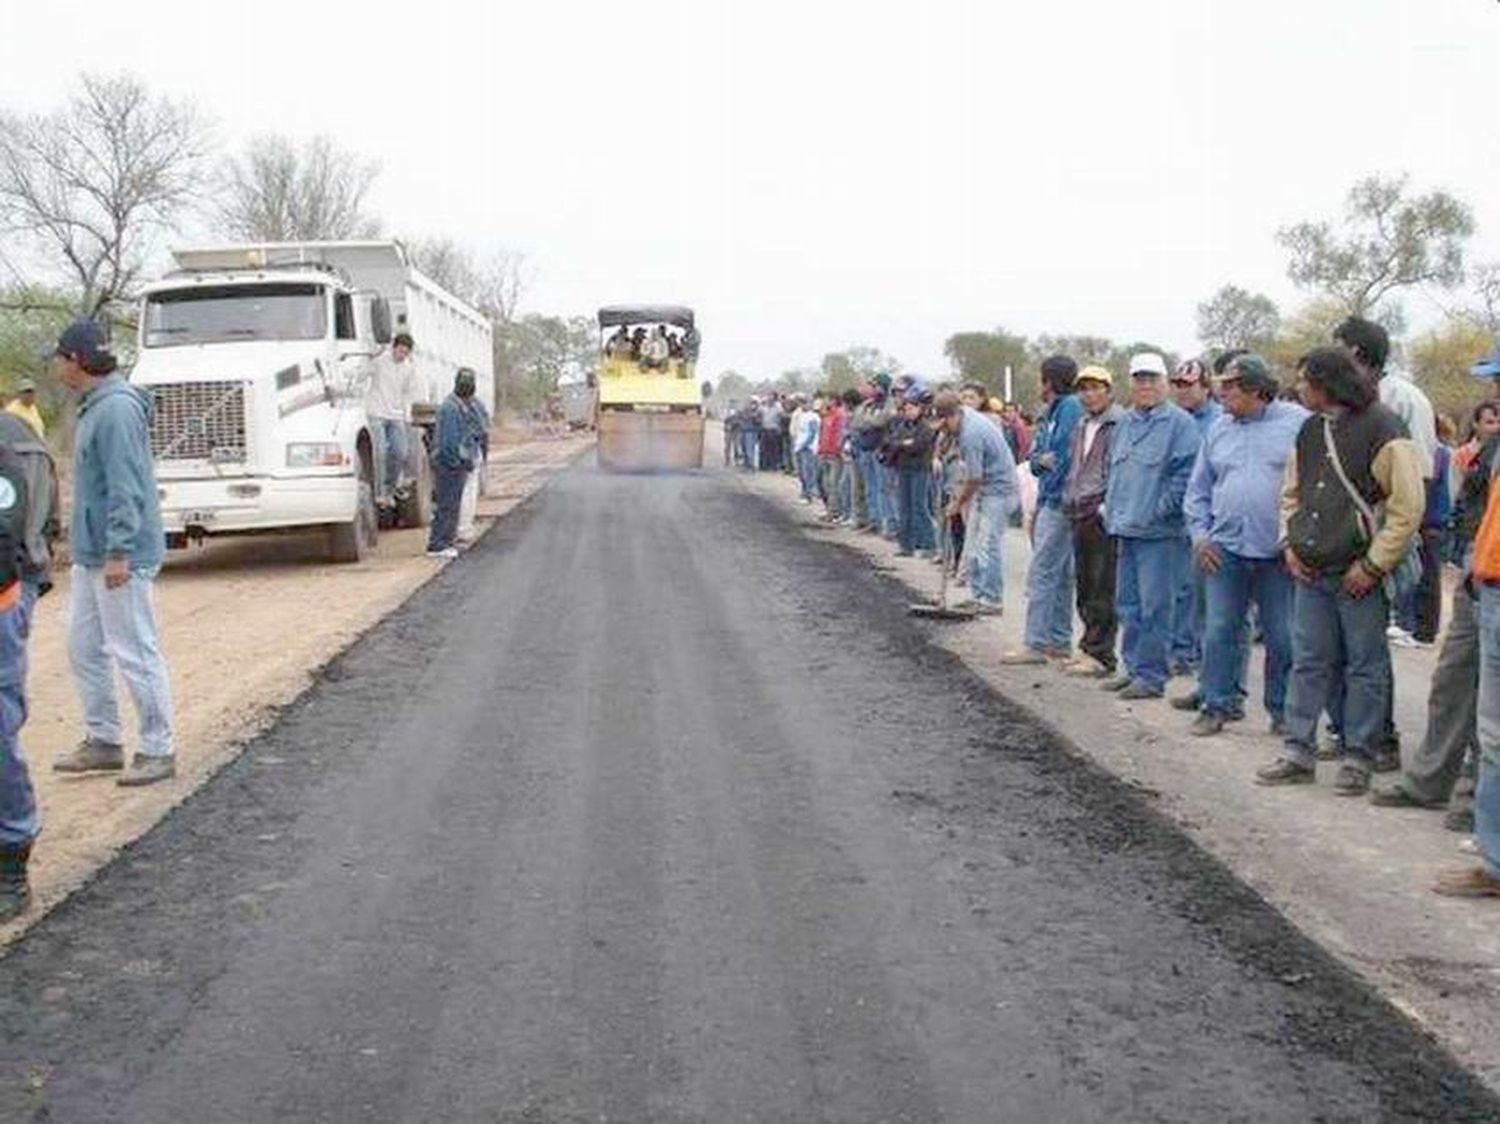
pixel 199 421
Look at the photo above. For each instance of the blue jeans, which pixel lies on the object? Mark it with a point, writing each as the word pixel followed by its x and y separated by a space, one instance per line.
pixel 1337 639
pixel 750 448
pixel 1187 609
pixel 1049 583
pixel 1145 588
pixel 807 472
pixel 116 628
pixel 1487 794
pixel 391 454
pixel 1226 634
pixel 869 473
pixel 984 539
pixel 448 495
pixel 914 497
pixel 890 482
pixel 19 820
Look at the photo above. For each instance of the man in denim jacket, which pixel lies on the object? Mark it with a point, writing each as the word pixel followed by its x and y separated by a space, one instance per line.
pixel 1151 458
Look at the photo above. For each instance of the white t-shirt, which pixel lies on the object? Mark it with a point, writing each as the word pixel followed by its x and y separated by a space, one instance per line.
pixel 393 388
pixel 1091 428
pixel 1406 400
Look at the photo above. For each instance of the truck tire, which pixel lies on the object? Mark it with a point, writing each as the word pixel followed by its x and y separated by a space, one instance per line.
pixel 355 541
pixel 414 509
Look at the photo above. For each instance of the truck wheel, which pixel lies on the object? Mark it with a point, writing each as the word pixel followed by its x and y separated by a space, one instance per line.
pixel 414 508
pixel 355 541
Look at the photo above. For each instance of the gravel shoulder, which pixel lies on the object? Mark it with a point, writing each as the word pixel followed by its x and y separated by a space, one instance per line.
pixel 246 625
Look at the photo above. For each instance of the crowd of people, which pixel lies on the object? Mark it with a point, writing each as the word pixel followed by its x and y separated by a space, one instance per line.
pixel 1218 508
pixel 654 348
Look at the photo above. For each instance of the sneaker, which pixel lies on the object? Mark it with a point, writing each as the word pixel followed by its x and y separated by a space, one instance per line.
pixel 1139 690
pixel 903 553
pixel 1117 682
pixel 146 770
pixel 1187 702
pixel 1207 724
pixel 1284 771
pixel 15 890
pixel 91 757
pixel 1352 779
pixel 989 608
pixel 1087 667
pixel 1024 657
pixel 1396 633
pixel 446 552
pixel 1058 655
pixel 1330 749
pixel 1407 640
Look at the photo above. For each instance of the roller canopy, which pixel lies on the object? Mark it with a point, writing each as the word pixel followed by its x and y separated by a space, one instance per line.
pixel 674 314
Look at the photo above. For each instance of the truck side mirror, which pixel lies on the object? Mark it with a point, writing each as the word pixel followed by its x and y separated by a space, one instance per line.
pixel 591 379
pixel 707 389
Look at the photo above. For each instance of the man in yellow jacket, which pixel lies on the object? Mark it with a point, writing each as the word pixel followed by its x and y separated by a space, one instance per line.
pixel 23 405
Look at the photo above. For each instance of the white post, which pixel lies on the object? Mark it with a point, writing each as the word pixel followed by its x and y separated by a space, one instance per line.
pixel 1008 396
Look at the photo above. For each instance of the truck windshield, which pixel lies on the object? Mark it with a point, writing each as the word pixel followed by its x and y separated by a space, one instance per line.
pixel 235 312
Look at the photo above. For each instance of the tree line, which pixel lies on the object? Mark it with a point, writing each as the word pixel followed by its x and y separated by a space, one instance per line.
pixel 1388 245
pixel 91 191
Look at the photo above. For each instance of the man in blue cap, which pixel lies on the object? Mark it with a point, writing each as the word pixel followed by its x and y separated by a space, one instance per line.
pixel 117 544
pixel 1489 368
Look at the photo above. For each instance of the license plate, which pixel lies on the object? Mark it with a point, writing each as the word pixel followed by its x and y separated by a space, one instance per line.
pixel 198 518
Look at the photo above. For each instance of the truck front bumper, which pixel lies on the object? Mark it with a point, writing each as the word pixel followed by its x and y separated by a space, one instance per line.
pixel 253 504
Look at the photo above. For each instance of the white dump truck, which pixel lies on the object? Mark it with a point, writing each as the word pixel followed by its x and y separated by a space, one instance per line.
pixel 258 358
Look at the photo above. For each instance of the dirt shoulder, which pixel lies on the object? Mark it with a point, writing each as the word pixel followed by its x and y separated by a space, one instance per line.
pixel 1352 876
pixel 246 625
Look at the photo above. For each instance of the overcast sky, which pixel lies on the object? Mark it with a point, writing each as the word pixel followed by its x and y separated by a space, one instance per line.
pixel 817 174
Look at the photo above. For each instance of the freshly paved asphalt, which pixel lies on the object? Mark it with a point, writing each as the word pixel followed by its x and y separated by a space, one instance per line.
pixel 651 808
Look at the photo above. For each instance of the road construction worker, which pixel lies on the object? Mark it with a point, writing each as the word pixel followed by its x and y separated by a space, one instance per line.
pixel 392 390
pixel 23 405
pixel 453 455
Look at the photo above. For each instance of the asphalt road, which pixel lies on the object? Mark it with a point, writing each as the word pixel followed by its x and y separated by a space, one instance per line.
pixel 651 808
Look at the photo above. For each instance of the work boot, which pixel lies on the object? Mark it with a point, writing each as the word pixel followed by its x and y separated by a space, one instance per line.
pixel 1191 701
pixel 1139 690
pixel 91 757
pixel 1460 819
pixel 146 770
pixel 1117 682
pixel 15 890
pixel 1207 724
pixel 1284 771
pixel 1352 779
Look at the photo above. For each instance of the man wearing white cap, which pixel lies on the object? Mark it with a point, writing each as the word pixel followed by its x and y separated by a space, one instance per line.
pixel 1150 459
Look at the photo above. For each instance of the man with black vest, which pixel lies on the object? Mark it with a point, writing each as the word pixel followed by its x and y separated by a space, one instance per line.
pixel 1351 504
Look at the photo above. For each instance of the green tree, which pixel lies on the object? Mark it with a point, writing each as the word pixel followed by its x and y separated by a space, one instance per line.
pixel 1440 359
pixel 1309 327
pixel 1083 350
pixel 1388 241
pixel 984 356
pixel 855 366
pixel 1235 317
pixel 31 319
pixel 541 350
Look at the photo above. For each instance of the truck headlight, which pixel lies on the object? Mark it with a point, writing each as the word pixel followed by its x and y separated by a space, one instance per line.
pixel 315 454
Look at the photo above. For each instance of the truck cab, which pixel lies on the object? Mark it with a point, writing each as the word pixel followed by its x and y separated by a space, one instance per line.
pixel 258 373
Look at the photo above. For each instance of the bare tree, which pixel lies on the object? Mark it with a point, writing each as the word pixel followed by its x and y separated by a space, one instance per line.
pixel 450 265
pixel 503 281
pixel 89 184
pixel 278 192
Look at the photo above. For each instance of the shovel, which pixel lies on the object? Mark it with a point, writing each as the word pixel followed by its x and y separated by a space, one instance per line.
pixel 942 611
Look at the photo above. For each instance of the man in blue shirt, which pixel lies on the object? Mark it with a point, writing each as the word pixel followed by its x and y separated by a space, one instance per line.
pixel 1049 579
pixel 1192 391
pixel 454 453
pixel 986 498
pixel 1150 458
pixel 1233 510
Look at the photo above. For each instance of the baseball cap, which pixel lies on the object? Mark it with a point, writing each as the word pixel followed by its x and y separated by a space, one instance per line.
pixel 1251 372
pixel 1095 374
pixel 1148 363
pixel 25 385
pixel 1489 366
pixel 84 342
